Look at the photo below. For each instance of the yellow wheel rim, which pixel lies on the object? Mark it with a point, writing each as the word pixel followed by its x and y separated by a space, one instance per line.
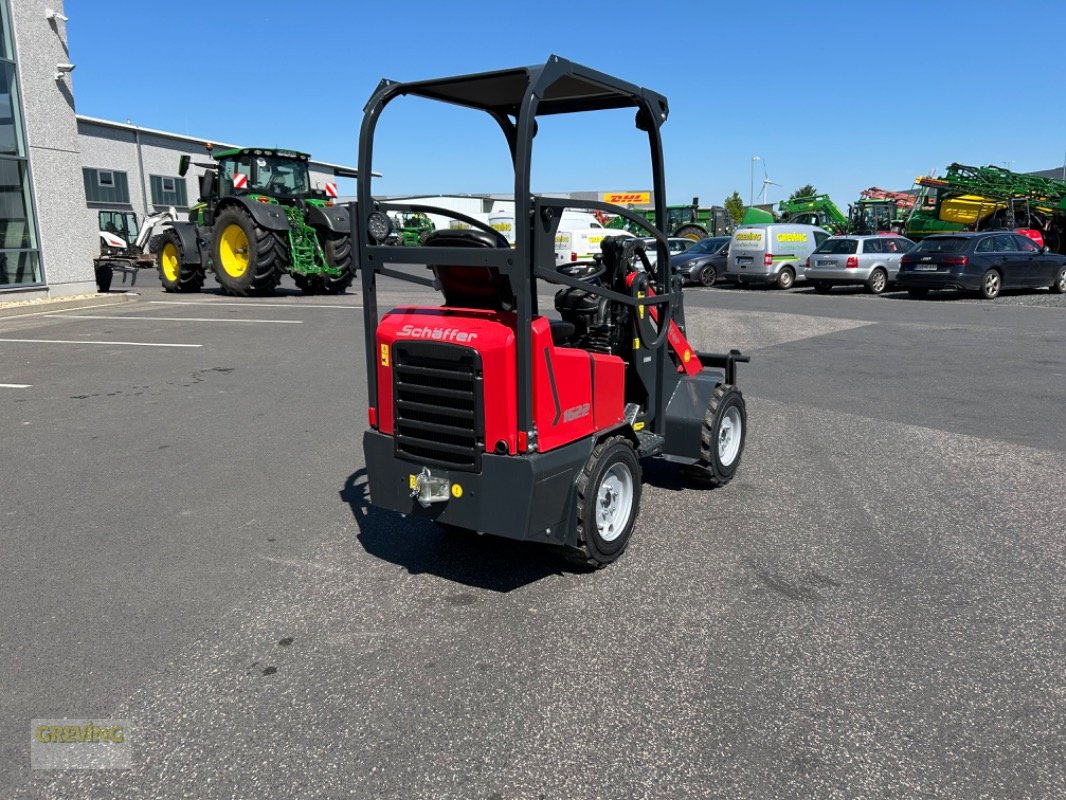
pixel 233 251
pixel 168 259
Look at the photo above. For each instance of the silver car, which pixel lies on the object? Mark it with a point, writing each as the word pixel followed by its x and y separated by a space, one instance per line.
pixel 676 244
pixel 869 260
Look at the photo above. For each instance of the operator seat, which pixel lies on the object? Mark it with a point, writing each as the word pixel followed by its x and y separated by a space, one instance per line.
pixel 471 287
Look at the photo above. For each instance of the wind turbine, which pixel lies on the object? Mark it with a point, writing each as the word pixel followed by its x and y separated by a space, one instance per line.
pixel 766 182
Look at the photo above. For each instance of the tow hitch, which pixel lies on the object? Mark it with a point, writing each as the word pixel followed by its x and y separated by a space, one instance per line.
pixel 428 489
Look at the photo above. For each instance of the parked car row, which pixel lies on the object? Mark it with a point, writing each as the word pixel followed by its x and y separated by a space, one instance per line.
pixel 782 254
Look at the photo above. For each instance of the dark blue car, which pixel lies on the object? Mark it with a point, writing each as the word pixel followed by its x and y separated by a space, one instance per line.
pixel 702 263
pixel 984 262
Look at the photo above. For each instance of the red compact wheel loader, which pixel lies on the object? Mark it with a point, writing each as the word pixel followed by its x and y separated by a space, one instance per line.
pixel 486 414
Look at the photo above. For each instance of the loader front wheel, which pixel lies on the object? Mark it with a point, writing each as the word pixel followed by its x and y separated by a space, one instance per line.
pixel 725 425
pixel 248 259
pixel 174 273
pixel 608 501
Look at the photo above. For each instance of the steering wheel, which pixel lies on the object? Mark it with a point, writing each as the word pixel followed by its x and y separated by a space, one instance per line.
pixel 583 270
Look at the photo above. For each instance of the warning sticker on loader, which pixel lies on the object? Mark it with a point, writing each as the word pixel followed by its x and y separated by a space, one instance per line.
pixel 384 355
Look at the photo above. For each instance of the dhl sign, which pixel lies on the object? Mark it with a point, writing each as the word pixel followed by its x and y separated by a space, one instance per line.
pixel 627 198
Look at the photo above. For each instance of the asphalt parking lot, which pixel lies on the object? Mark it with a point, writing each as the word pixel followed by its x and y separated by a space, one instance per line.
pixel 875 607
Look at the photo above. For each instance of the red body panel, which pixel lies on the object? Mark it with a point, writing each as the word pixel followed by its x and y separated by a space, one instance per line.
pixel 566 404
pixel 608 390
pixel 488 332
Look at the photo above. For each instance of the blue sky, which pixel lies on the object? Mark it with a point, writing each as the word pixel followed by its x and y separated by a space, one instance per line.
pixel 843 95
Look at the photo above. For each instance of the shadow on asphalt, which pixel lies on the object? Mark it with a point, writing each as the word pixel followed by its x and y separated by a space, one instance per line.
pixel 420 547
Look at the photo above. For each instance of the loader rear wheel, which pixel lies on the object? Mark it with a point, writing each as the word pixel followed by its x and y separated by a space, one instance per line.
pixel 174 273
pixel 337 248
pixel 725 425
pixel 248 259
pixel 608 501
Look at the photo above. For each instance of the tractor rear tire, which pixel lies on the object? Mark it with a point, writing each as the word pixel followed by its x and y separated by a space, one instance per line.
pixel 725 425
pixel 248 260
pixel 174 273
pixel 608 502
pixel 337 248
pixel 693 232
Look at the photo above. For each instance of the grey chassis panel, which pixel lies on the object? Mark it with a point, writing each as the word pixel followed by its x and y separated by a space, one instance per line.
pixel 684 414
pixel 333 219
pixel 517 497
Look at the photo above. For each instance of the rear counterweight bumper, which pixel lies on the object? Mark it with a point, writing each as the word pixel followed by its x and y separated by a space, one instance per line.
pixel 531 496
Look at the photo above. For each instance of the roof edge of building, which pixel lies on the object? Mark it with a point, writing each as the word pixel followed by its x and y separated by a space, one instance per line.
pixel 200 140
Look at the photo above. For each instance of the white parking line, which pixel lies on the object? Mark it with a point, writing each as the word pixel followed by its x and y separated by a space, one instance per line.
pixel 14 386
pixel 87 341
pixel 250 304
pixel 181 319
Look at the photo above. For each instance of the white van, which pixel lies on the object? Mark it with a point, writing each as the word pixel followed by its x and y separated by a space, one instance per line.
pixel 583 244
pixel 502 220
pixel 772 253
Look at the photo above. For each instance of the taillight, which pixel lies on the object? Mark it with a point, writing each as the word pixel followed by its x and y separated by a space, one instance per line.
pixel 807 263
pixel 955 261
pixel 573 256
pixel 372 416
pixel 768 259
pixel 852 263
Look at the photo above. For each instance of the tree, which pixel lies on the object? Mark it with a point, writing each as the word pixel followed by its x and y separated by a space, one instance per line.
pixel 734 204
pixel 804 191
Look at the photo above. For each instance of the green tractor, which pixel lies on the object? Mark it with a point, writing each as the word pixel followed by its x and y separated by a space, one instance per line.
pixel 257 219
pixel 411 230
pixel 684 221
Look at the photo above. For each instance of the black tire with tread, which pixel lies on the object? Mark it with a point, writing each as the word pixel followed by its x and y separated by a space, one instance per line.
pixel 709 471
pixel 269 257
pixel 875 286
pixel 990 288
pixel 190 276
pixel 337 248
pixel 1059 286
pixel 693 232
pixel 822 287
pixel 918 293
pixel 592 551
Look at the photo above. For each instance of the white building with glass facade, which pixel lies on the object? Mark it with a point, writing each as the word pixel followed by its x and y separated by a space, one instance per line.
pixel 63 176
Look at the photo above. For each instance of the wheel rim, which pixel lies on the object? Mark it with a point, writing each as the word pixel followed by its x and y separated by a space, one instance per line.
pixel 614 502
pixel 707 276
pixel 233 251
pixel 786 279
pixel 878 283
pixel 992 284
pixel 730 434
pixel 1062 281
pixel 169 261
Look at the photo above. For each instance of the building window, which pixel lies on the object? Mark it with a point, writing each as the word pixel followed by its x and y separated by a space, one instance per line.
pixel 20 258
pixel 106 186
pixel 168 191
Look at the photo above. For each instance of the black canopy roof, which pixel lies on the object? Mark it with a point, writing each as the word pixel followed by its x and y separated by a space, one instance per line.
pixel 563 87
